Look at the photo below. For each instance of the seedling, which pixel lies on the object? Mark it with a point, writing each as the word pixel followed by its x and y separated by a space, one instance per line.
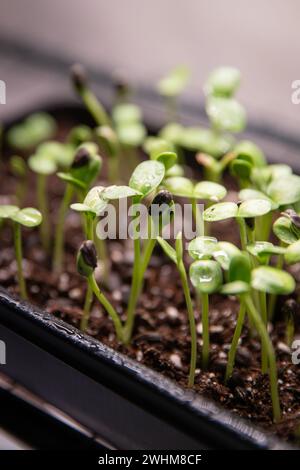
pixel 91 207
pixel 145 179
pixel 91 102
pixel 267 280
pixel 177 257
pixel 86 265
pixel 223 82
pixel 84 170
pixel 206 277
pixel 262 251
pixel 245 214
pixel 28 217
pixel 170 87
pixel 29 133
pixel 225 115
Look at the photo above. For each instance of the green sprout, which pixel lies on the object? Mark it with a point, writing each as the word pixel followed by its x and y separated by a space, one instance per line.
pixel 171 86
pixel 223 82
pixel 48 157
pixel 83 171
pixel 206 277
pixel 213 168
pixel 86 265
pixel 92 206
pixel 177 257
pixel 91 102
pixel 32 131
pixel 225 114
pixel 263 279
pixel 18 168
pixel 145 179
pixel 28 217
pixel 244 213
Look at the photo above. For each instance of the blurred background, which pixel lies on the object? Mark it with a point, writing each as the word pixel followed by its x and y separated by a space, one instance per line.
pixel 145 39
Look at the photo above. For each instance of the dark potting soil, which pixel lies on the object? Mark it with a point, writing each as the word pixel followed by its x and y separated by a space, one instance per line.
pixel 161 335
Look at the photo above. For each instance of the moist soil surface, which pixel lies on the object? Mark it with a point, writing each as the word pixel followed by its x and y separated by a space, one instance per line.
pixel 161 335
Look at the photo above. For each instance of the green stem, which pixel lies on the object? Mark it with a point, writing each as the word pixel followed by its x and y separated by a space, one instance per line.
pixel 43 207
pixel 95 107
pixel 273 297
pixel 59 232
pixel 205 330
pixel 192 322
pixel 271 356
pixel 89 223
pixel 290 332
pixel 149 247
pixel 235 340
pixel 19 258
pixel 264 316
pixel 136 281
pixel 243 232
pixel 108 307
pixel 264 226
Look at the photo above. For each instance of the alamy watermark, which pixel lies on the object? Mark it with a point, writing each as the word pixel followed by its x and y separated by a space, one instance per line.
pixel 2 92
pixel 2 353
pixel 141 221
pixel 296 352
pixel 295 96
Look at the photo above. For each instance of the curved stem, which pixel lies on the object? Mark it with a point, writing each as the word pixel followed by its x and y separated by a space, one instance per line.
pixel 59 232
pixel 107 305
pixel 192 322
pixel 205 330
pixel 271 356
pixel 43 206
pixel 95 107
pixel 235 340
pixel 19 258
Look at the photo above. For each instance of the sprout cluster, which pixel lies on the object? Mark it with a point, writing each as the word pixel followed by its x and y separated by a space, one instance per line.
pixel 263 210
